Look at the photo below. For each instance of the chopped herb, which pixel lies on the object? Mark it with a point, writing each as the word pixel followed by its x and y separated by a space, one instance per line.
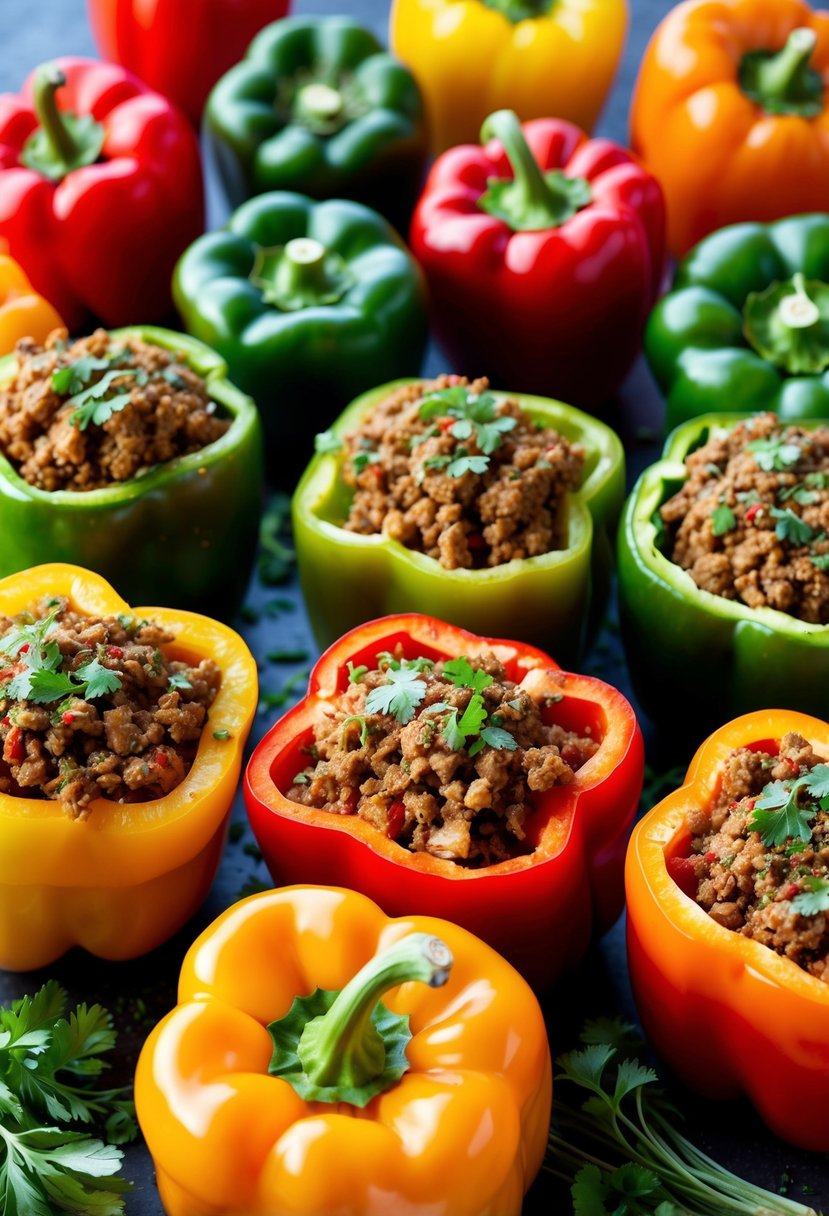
pixel 713 470
pixel 801 495
pixel 99 680
pixel 173 378
pixel 723 519
pixel 818 481
pixel 273 700
pixel 778 813
pixel 253 886
pixel 94 405
pixel 774 455
pixel 476 416
pixel 69 380
pixel 279 603
pixel 791 527
pixel 248 615
pixel 276 557
pixel 814 899
pixel 327 441
pixel 463 674
pixel 178 679
pixel 222 734
pixel 251 849
pixel 400 695
pixel 361 459
pixel 286 656
pixel 364 729
pixel 749 497
pixel 820 560
pixel 301 779
pixel 235 832
pixel 355 674
pixel 458 464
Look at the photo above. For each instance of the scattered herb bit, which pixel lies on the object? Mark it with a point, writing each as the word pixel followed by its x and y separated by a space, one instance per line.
pixel 280 603
pixel 749 497
pixel 821 560
pixel 286 656
pixel 458 464
pixel 364 729
pixel 723 519
pixel 791 527
pixel 400 695
pixel 222 734
pixel 463 674
pixel 801 495
pixel 178 680
pixel 235 832
pixel 476 416
pixel 355 674
pixel 94 405
pixel 273 700
pixel 40 679
pixel 253 886
pixel 779 814
pixel 713 470
pixel 301 778
pixel 327 441
pixel 251 849
pixel 361 459
pixel 248 615
pixel 774 455
pixel 276 557
pixel 173 377
pixel 71 379
pixel 99 680
pixel 814 899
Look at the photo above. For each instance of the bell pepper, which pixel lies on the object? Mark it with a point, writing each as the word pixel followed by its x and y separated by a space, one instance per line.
pixel 729 113
pixel 309 304
pixel 100 190
pixel 731 1016
pixel 537 57
pixel 435 1100
pixel 184 532
pixel 124 879
pixel 547 600
pixel 540 249
pixel 23 313
pixel 746 324
pixel 712 656
pixel 538 909
pixel 317 105
pixel 149 42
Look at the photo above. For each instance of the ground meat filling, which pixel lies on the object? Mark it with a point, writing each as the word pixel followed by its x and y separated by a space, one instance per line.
pixel 442 757
pixel 751 521
pixel 85 414
pixel 91 707
pixel 753 875
pixel 446 469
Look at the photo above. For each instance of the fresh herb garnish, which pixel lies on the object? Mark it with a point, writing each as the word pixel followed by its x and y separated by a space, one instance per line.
pixel 458 464
pixel 364 729
pixel 71 379
pixel 355 674
pixel 177 679
pixel 820 560
pixel 476 416
pixel 360 460
pixel 814 899
pixel 463 674
pixel 779 814
pixel 791 527
pixel 40 679
pixel 327 441
pixel 173 378
pixel 98 680
pixel 400 695
pixel 222 735
pixel 803 496
pixel 723 519
pixel 774 455
pixel 94 404
pixel 276 557
pixel 286 656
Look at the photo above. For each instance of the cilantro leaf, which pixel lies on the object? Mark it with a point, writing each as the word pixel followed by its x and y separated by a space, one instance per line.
pixel 93 405
pixel 327 441
pixel 361 459
pixel 816 782
pixel 814 899
pixel 723 519
pixel 73 377
pixel 498 738
pixel 778 817
pixel 177 679
pixel 399 696
pixel 821 560
pixel 32 635
pixel 464 463
pixel 461 673
pixel 46 686
pixel 99 680
pixel 791 527
pixel 774 455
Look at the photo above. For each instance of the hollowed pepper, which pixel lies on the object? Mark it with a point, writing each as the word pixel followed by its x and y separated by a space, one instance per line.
pixel 125 878
pixel 730 1015
pixel 538 909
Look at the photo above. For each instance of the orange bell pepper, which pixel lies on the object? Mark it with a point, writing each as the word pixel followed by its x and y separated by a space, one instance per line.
pixel 124 879
pixel 23 313
pixel 730 113
pixel 443 1110
pixel 730 1015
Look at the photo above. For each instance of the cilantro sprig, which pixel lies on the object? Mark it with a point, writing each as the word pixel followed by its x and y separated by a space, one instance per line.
pixel 774 455
pixel 781 814
pixel 476 419
pixel 791 527
pixel 814 899
pixel 39 678
pixel 400 695
pixel 723 519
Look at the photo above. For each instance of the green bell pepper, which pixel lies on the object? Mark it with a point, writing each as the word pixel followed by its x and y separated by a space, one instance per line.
pixel 182 535
pixel 698 654
pixel 348 578
pixel 317 105
pixel 746 324
pixel 309 303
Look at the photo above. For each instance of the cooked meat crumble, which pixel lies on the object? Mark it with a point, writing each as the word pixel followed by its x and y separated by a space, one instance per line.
pixel 445 468
pixel 160 410
pixel 751 876
pixel 91 707
pixel 442 757
pixel 751 522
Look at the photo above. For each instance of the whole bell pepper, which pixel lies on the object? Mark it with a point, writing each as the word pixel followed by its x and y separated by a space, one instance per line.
pixel 256 1097
pixel 23 313
pixel 730 1015
pixel 730 113
pixel 317 105
pixel 746 325
pixel 541 249
pixel 537 57
pixel 100 190
pixel 309 304
pixel 218 32
pixel 122 880
pixel 548 600
pixel 538 909
pixel 713 656
pixel 185 532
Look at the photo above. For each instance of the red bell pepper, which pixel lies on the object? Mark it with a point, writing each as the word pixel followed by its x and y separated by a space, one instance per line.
pixel 544 253
pixel 538 909
pixel 100 191
pixel 218 33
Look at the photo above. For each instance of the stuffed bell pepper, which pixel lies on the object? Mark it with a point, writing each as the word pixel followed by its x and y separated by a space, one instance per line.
pixel 121 736
pixel 727 894
pixel 131 453
pixel 472 778
pixel 724 569
pixel 543 253
pixel 493 510
pixel 256 1097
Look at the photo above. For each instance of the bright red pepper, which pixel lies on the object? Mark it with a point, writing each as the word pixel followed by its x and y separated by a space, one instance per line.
pixel 542 278
pixel 538 909
pixel 100 191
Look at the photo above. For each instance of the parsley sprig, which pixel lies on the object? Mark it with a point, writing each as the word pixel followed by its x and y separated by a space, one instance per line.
pixel 781 813
pixel 40 679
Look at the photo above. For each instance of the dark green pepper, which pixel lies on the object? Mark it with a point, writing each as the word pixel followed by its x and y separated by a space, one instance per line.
pixel 181 535
pixel 310 304
pixel 746 324
pixel 317 105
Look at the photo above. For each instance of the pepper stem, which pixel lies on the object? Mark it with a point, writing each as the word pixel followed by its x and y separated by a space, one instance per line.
pixel 48 79
pixel 788 324
pixel 784 82
pixel 319 103
pixel 62 141
pixel 798 311
pixel 300 274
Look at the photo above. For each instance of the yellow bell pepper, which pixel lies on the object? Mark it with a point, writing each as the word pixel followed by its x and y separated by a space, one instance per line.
pixel 434 1102
pixel 23 313
pixel 125 878
pixel 540 58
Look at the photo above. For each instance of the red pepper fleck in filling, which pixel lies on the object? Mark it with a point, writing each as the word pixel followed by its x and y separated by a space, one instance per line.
pixel 753 511
pixel 710 855
pixel 115 652
pixel 396 818
pixel 13 750
pixel 791 890
pixel 68 717
pixel 161 759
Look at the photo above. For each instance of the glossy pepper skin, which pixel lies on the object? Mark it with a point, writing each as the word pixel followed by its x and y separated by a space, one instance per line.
pixel 23 313
pixel 304 332
pixel 318 106
pixel 527 287
pixel 125 878
pixel 549 600
pixel 102 234
pixel 731 1016
pixel 696 340
pixel 537 57
pixel 731 132
pixel 185 532
pixel 462 1132
pixel 715 657
pixel 218 33
pixel 538 909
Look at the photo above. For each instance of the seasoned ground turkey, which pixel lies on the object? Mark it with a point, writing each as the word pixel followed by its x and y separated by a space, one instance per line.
pixel 751 522
pixel 134 742
pixel 462 794
pixel 161 410
pixel 755 887
pixel 466 479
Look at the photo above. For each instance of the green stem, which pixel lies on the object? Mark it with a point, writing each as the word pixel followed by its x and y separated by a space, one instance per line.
pixel 784 82
pixel 318 104
pixel 62 141
pixel 300 274
pixel 780 75
pixel 520 10
pixel 48 79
